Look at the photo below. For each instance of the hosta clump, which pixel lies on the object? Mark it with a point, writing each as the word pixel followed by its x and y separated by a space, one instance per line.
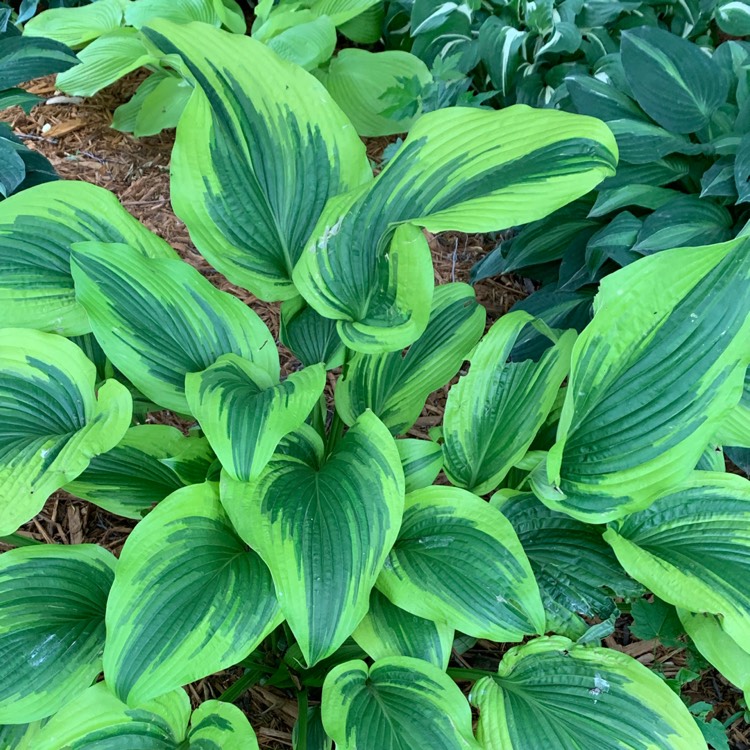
pixel 324 556
pixel 680 117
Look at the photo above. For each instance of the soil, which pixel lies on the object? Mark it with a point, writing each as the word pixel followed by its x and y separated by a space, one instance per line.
pixel 77 138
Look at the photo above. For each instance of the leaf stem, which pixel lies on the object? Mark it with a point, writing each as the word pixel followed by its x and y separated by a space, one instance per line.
pixel 302 720
pixel 251 677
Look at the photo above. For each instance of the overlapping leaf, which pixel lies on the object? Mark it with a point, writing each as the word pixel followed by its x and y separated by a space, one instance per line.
pixel 459 561
pixel 421 460
pixel 257 155
pixel 189 598
pixel 52 422
pixel 159 319
pixel 653 376
pixel 460 168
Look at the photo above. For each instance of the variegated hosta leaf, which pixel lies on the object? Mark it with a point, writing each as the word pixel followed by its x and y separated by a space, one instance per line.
pixel 388 630
pixel 78 26
pixel 324 525
pixel 718 648
pixel 244 411
pixel 317 739
pixel 577 572
pixel 460 168
pixel 149 463
pixel 553 693
pixel 96 718
pixel 37 228
pixel 20 736
pixel 159 320
pixel 309 336
pixel 396 703
pixel 691 548
pixel 421 460
pixel 735 429
pixel 260 149
pixel 341 11
pixel 493 413
pixel 395 386
pixel 459 561
pixel 52 421
pixel 52 602
pixel 652 378
pixel 189 598
pixel 220 726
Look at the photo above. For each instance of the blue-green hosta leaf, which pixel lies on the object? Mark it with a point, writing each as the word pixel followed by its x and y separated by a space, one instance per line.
pixel 554 693
pixel 323 525
pixel 460 168
pixel 23 58
pixel 12 169
pixel 37 229
pixel 52 602
pixel 309 336
pixel 690 548
pixel 147 465
pixel 493 413
pixel 395 386
pixel 644 196
pixel 652 378
pixel 360 81
pixel 686 221
pixel 256 156
pixel 614 241
pixel 733 17
pixel 78 26
pixel 189 598
pixel 52 420
pixel 459 561
pixel 603 100
pixel 396 703
pixel 742 170
pixel 105 61
pixel 718 648
pixel 673 80
pixel 244 412
pixel 643 142
pixel 577 572
pixel 658 173
pixel 98 719
pixel 159 319
pixel 215 725
pixel 421 460
pixel 388 630
pixel 718 180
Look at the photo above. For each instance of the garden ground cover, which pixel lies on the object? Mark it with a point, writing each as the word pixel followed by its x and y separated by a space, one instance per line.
pixel 77 139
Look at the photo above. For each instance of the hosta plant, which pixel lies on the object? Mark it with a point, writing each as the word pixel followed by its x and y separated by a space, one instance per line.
pixel 318 555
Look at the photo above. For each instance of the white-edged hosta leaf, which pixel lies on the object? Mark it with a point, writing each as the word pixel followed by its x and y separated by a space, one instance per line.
pixel 459 561
pixel 189 598
pixel 556 694
pixel 717 647
pixel 735 429
pixel 360 82
pixel 98 719
pixel 77 26
pixel 159 319
pixel 421 460
pixel 577 571
pixel 220 726
pixel 151 462
pixel 652 377
pixel 52 603
pixel 104 61
pixel 643 142
pixel 673 80
pixel 388 630
pixel 396 703
pixel 244 412
pixel 690 548
pixel 596 98
pixel 52 420
pixel 37 228
pixel 309 336
pixel 493 414
pixel 257 155
pixel 324 525
pixel 395 385
pixel 733 17
pixel 460 168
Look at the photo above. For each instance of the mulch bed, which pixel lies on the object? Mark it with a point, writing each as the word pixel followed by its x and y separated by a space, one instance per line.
pixel 77 138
